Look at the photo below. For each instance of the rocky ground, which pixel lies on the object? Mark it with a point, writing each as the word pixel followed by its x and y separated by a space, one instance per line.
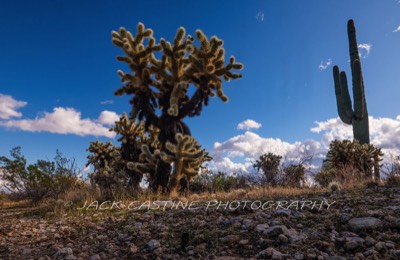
pixel 359 225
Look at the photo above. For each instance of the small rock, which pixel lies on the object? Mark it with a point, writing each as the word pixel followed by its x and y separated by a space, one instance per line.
pixel 274 231
pixel 201 246
pixel 395 254
pixel 283 238
pixel 283 212
pixel 124 237
pixel 394 208
pixel 95 257
pixel 271 253
pixel 379 246
pixel 336 258
pixel 311 253
pixel 230 238
pixel 369 241
pixel 353 243
pixel 26 251
pixel 260 228
pixel 243 242
pixel 66 251
pixel 152 245
pixel 298 256
pixel 364 223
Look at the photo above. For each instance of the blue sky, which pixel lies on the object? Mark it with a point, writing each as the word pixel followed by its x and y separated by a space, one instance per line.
pixel 58 72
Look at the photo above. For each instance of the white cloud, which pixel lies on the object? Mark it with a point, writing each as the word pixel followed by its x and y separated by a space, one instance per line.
pixel 62 121
pixel 364 49
pixel 107 102
pixel 239 152
pixel 249 146
pixel 260 16
pixel 108 118
pixel 398 28
pixel 86 169
pixel 248 124
pixel 324 64
pixel 9 107
pixel 384 133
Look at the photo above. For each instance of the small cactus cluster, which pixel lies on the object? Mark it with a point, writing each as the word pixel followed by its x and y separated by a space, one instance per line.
pixel 106 160
pixel 159 85
pixel 364 157
pixel 186 156
pixel 357 117
pixel 110 162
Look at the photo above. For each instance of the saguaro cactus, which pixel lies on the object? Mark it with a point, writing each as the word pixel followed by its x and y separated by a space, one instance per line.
pixel 359 116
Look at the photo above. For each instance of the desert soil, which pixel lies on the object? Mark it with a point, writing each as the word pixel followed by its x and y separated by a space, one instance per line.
pixel 361 224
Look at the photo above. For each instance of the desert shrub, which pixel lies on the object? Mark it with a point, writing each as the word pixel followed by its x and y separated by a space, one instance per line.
pixel 40 180
pixel 208 181
pixel 223 182
pixel 293 175
pixel 347 174
pixel 393 180
pixel 392 171
pixel 324 177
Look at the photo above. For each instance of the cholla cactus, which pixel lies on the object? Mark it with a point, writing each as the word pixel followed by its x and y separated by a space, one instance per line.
pixel 103 156
pixel 107 162
pixel 364 157
pixel 163 84
pixel 269 165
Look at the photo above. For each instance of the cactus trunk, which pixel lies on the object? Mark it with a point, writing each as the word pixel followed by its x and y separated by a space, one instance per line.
pixel 357 117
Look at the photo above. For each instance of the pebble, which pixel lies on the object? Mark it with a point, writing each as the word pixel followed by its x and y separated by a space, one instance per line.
pixel 364 223
pixel 153 244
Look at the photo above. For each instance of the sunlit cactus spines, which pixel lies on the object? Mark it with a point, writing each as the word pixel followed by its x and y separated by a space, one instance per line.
pixel 364 157
pixel 187 157
pixel 357 116
pixel 106 160
pixel 159 84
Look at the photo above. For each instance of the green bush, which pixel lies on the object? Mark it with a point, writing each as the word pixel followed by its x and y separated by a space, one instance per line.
pixel 211 182
pixel 40 180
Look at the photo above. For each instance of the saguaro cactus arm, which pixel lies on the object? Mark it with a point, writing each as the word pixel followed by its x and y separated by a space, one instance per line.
pixel 342 96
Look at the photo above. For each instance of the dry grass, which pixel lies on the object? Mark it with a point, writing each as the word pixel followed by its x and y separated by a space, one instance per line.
pixel 6 203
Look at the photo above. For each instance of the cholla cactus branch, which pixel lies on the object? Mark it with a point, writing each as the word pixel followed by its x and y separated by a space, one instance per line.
pixel 187 157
